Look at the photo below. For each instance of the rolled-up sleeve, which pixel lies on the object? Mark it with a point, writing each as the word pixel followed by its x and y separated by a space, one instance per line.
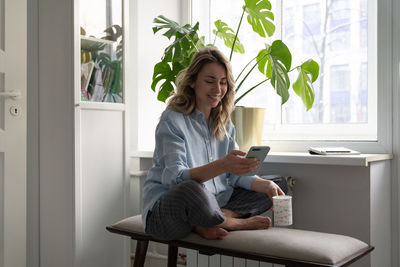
pixel 245 181
pixel 171 152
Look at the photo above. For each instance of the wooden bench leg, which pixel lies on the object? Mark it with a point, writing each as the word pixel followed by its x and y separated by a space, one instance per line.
pixel 140 255
pixel 172 255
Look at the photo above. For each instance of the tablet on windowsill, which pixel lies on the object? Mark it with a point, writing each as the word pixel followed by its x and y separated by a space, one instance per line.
pixel 332 151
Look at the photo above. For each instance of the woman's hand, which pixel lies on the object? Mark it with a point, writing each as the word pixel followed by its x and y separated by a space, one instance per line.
pixel 267 187
pixel 236 164
pixel 272 189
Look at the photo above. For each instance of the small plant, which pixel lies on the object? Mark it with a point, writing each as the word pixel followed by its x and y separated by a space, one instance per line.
pixel 274 60
pixel 108 65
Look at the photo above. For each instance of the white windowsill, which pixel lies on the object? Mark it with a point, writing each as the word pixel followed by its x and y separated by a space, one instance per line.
pixel 306 158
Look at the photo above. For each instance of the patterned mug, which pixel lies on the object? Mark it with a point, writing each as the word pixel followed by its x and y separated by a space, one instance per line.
pixel 282 210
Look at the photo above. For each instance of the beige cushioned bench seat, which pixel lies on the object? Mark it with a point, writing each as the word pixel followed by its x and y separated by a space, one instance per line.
pixel 277 245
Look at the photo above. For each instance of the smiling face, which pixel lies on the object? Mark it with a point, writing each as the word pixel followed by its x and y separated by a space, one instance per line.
pixel 210 87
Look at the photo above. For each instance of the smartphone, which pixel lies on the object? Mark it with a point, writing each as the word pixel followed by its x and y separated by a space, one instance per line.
pixel 259 152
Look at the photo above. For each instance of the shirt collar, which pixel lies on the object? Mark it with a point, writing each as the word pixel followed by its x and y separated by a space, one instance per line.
pixel 199 116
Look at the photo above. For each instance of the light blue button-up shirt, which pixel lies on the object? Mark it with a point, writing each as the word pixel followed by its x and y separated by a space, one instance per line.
pixel 184 142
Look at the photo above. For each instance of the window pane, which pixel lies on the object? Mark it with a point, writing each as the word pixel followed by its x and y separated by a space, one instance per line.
pixel 101 50
pixel 312 29
pixel 334 33
pixel 362 97
pixel 231 14
pixel 363 23
pixel 340 94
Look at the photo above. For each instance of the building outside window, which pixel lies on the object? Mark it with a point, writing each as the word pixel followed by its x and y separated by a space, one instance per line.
pixel 340 94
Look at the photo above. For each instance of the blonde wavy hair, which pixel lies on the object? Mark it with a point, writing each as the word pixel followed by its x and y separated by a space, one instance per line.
pixel 184 99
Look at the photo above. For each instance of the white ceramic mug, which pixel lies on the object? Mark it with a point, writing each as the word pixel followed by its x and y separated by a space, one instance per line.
pixel 282 210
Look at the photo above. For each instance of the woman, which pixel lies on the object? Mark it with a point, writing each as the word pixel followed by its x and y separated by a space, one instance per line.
pixel 195 182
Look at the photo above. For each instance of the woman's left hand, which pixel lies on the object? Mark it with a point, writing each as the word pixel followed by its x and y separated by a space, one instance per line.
pixel 272 189
pixel 266 186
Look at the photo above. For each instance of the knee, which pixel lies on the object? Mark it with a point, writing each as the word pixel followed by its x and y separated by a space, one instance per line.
pixel 186 190
pixel 190 186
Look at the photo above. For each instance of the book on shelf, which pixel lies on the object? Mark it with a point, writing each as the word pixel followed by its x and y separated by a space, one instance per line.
pixel 332 151
pixel 86 73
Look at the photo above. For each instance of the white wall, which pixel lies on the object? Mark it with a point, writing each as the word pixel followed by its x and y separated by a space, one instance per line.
pixel 396 133
pixel 147 49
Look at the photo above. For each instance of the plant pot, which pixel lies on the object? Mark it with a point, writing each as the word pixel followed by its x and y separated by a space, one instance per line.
pixel 249 124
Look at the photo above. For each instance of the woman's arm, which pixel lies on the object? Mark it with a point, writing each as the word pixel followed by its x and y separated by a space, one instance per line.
pixel 232 163
pixel 266 186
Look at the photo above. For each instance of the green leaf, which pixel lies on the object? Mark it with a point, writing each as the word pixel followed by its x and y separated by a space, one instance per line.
pixel 116 83
pixel 104 59
pixel 280 79
pixel 164 23
pixel 303 87
pixel 274 62
pixel 260 16
pixel 280 52
pixel 166 90
pixel 228 35
pixel 164 72
pixel 177 56
pixel 264 65
pixel 113 32
pixel 312 68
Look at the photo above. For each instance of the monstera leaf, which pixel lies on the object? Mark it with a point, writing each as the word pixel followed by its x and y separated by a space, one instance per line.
pixel 163 71
pixel 164 23
pixel 308 73
pixel 228 35
pixel 274 62
pixel 177 56
pixel 260 16
pixel 113 33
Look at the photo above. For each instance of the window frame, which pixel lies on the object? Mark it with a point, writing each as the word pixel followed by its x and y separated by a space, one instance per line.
pixel 382 97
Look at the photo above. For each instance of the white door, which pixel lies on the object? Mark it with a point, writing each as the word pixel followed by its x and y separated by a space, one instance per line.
pixel 13 16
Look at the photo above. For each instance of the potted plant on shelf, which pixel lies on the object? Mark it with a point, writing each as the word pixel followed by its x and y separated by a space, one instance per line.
pixel 274 61
pixel 101 66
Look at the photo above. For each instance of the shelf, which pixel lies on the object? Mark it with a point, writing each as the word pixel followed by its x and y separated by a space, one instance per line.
pixel 93 44
pixel 306 158
pixel 344 160
pixel 87 105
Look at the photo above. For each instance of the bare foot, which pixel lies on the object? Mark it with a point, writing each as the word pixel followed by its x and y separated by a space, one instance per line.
pixel 251 223
pixel 214 232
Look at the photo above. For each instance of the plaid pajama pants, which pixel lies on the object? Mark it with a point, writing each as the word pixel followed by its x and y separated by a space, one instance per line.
pixel 190 204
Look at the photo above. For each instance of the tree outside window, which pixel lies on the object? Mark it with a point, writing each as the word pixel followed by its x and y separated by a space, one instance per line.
pixel 327 35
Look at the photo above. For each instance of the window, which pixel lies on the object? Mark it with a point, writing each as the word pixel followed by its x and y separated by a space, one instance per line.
pixel 336 34
pixel 339 97
pixel 311 27
pixel 339 17
pixel 362 103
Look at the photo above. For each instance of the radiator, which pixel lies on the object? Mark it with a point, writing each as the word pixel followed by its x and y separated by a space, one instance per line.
pixel 195 259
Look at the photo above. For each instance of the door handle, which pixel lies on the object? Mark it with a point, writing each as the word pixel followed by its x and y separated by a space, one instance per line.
pixel 12 94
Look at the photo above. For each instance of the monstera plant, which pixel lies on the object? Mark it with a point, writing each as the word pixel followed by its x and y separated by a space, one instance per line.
pixel 274 60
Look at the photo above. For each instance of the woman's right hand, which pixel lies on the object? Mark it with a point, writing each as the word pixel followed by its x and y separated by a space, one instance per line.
pixel 235 163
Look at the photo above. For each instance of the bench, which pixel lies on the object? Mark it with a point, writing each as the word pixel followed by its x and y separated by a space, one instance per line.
pixel 290 247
